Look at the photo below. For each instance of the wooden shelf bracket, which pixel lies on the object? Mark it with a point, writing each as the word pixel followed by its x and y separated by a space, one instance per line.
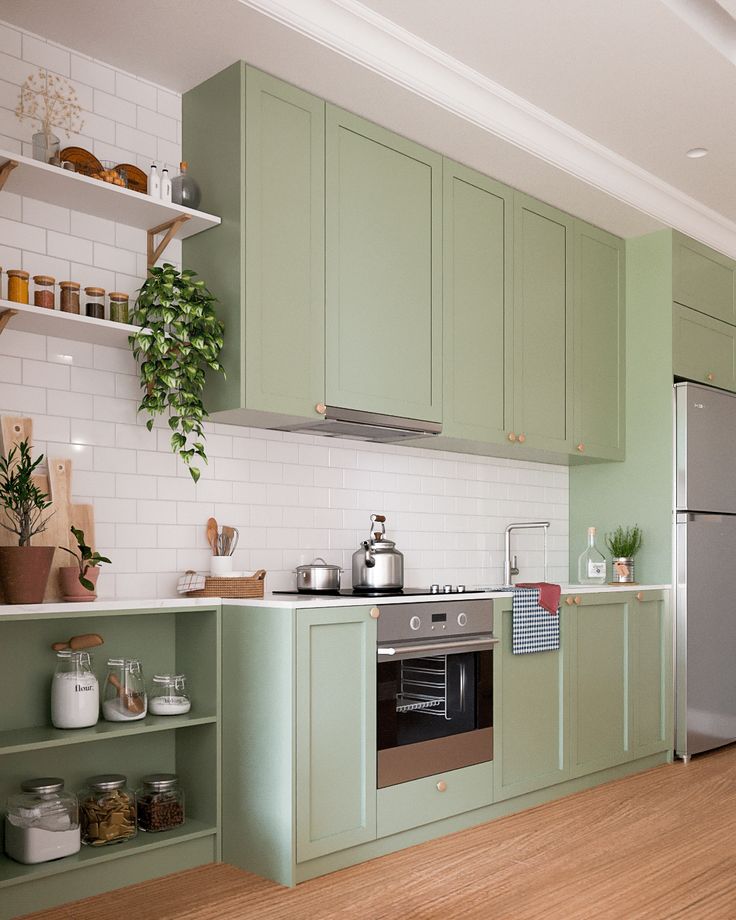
pixel 169 229
pixel 5 171
pixel 5 317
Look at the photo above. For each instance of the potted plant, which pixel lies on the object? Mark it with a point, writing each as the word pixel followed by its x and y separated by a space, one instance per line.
pixel 624 543
pixel 79 581
pixel 180 337
pixel 24 569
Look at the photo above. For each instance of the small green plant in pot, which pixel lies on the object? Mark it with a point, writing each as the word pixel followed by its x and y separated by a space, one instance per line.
pixel 84 573
pixel 179 340
pixel 24 569
pixel 624 543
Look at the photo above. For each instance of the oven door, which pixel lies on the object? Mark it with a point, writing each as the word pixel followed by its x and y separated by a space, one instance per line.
pixel 435 707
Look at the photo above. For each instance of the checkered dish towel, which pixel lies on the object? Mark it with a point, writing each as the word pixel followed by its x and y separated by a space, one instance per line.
pixel 533 629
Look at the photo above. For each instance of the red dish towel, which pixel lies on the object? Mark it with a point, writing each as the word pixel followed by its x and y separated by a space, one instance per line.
pixel 549 595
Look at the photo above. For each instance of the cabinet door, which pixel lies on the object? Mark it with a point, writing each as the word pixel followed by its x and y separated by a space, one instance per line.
pixel 477 228
pixel 542 325
pixel 599 369
pixel 383 219
pixel 599 665
pixel 651 675
pixel 531 730
pixel 703 279
pixel 284 247
pixel 335 730
pixel 704 348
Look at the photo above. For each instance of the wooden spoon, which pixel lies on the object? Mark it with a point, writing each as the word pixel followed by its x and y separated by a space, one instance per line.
pixel 212 535
pixel 133 702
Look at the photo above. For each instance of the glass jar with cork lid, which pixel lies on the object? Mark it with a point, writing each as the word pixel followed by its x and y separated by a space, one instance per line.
pixel 69 298
pixel 118 307
pixel 94 302
pixel 18 285
pixel 43 295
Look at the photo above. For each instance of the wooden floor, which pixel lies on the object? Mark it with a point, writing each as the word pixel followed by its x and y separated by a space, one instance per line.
pixel 658 845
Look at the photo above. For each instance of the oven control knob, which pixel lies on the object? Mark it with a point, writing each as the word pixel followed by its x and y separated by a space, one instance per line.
pixel 434 589
pixel 415 622
pixel 462 619
pixel 447 589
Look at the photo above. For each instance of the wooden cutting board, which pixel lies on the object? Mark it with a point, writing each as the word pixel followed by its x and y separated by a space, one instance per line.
pixel 57 482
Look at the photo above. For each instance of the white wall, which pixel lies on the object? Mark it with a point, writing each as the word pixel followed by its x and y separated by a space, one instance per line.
pixel 292 496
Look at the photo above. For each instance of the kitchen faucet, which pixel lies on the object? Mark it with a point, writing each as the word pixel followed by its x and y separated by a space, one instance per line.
pixel 508 569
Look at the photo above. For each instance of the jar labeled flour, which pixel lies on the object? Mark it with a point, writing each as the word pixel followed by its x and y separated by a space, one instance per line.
pixel 75 693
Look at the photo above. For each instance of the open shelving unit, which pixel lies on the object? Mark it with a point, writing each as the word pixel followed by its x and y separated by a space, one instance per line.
pixel 172 639
pixel 28 318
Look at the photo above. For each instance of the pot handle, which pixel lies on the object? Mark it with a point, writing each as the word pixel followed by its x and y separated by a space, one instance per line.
pixel 370 559
pixel 318 559
pixel 378 519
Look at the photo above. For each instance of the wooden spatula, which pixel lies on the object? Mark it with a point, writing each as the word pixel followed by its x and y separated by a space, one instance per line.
pixel 212 535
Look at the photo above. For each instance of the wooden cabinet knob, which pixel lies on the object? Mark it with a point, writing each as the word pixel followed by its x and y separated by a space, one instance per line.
pixel 577 600
pixel 320 408
pixel 710 376
pixel 375 612
pixel 512 436
pixel 569 601
pixel 580 448
pixel 640 595
pixel 441 786
pixel 521 438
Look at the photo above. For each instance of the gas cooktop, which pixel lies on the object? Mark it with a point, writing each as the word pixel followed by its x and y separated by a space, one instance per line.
pixel 445 590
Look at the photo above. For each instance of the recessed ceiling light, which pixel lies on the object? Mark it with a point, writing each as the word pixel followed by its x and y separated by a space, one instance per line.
pixel 695 153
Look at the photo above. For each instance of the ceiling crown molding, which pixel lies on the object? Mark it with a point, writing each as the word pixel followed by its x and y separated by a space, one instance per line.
pixel 349 28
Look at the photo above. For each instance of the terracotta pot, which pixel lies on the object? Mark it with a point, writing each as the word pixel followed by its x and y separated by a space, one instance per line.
pixel 72 589
pixel 24 571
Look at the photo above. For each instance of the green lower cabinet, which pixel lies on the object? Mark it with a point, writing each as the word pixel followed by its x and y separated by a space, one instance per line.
pixel 651 678
pixel 598 638
pixel 433 798
pixel 335 730
pixel 531 726
pixel 704 349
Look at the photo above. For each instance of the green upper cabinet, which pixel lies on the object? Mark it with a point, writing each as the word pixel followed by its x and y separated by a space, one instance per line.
pixel 244 130
pixel 703 279
pixel 704 349
pixel 543 326
pixel 383 269
pixel 599 426
pixel 477 304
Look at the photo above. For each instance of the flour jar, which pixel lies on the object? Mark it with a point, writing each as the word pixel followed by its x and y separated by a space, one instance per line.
pixel 42 822
pixel 75 693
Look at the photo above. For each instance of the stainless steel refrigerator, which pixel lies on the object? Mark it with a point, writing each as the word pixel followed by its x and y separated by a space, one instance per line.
pixel 705 568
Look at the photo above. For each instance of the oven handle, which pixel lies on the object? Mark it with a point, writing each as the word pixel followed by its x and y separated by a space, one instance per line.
pixel 438 646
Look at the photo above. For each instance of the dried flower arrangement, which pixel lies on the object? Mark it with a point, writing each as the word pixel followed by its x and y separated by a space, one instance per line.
pixel 50 100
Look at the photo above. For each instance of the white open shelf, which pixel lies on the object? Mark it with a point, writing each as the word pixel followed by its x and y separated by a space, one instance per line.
pixel 100 199
pixel 29 318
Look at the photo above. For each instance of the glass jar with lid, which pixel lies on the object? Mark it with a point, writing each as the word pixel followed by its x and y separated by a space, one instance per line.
pixel 94 302
pixel 118 307
pixel 124 696
pixel 75 693
pixel 18 285
pixel 107 810
pixel 169 695
pixel 43 295
pixel 160 803
pixel 69 299
pixel 42 822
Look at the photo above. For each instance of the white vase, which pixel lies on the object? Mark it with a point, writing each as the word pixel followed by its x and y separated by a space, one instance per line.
pixel 46 147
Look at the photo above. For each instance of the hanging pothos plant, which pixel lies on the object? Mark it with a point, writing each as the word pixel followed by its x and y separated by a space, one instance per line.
pixel 180 337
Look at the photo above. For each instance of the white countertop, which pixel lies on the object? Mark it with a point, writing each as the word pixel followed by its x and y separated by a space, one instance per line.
pixel 289 600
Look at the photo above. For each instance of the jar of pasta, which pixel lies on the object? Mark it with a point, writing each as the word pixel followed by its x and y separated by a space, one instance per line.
pixel 69 300
pixel 18 285
pixel 107 810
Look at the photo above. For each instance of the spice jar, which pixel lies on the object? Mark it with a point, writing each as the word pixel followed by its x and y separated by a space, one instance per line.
pixel 118 307
pixel 160 803
pixel 124 698
pixel 168 695
pixel 75 693
pixel 69 300
pixel 43 296
pixel 42 822
pixel 94 302
pixel 107 810
pixel 18 285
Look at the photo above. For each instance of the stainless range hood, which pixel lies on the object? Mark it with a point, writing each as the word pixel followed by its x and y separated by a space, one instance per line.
pixel 365 426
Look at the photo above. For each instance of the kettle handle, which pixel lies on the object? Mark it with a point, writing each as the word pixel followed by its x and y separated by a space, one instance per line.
pixel 378 519
pixel 369 558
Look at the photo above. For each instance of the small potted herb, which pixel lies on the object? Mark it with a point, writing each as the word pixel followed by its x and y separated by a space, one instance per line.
pixel 24 569
pixel 624 543
pixel 85 573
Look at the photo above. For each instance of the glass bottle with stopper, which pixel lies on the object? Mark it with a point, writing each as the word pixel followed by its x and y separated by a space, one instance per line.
pixel 591 563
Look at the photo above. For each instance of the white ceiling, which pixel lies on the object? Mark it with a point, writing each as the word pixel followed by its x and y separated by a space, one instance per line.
pixel 588 105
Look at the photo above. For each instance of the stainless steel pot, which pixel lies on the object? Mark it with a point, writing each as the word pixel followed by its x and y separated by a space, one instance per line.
pixel 378 565
pixel 318 576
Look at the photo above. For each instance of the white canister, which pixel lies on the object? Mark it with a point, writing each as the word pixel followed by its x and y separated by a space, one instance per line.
pixel 221 565
pixel 75 693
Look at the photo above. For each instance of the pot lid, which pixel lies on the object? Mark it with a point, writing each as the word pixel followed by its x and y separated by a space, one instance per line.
pixel 382 546
pixel 318 564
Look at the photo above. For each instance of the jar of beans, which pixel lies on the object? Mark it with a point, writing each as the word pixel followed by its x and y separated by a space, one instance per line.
pixel 160 803
pixel 69 299
pixel 18 285
pixel 94 302
pixel 118 307
pixel 43 296
pixel 107 810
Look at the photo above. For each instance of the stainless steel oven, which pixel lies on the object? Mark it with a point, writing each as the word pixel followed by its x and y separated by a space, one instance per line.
pixel 435 688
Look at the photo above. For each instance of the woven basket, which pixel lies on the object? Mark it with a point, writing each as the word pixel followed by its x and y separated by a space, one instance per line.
pixel 249 586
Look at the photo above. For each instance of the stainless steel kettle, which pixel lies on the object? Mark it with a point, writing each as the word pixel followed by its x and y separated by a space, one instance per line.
pixel 378 565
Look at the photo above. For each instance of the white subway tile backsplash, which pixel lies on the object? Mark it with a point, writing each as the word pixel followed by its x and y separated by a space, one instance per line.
pixel 43 214
pixel 10 370
pixel 130 138
pixel 43 374
pixel 114 259
pixel 45 54
pixel 135 90
pixel 92 228
pixel 169 104
pixel 75 405
pixel 116 109
pixel 155 123
pixel 68 247
pixel 16 398
pixel 23 236
pixel 10 40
